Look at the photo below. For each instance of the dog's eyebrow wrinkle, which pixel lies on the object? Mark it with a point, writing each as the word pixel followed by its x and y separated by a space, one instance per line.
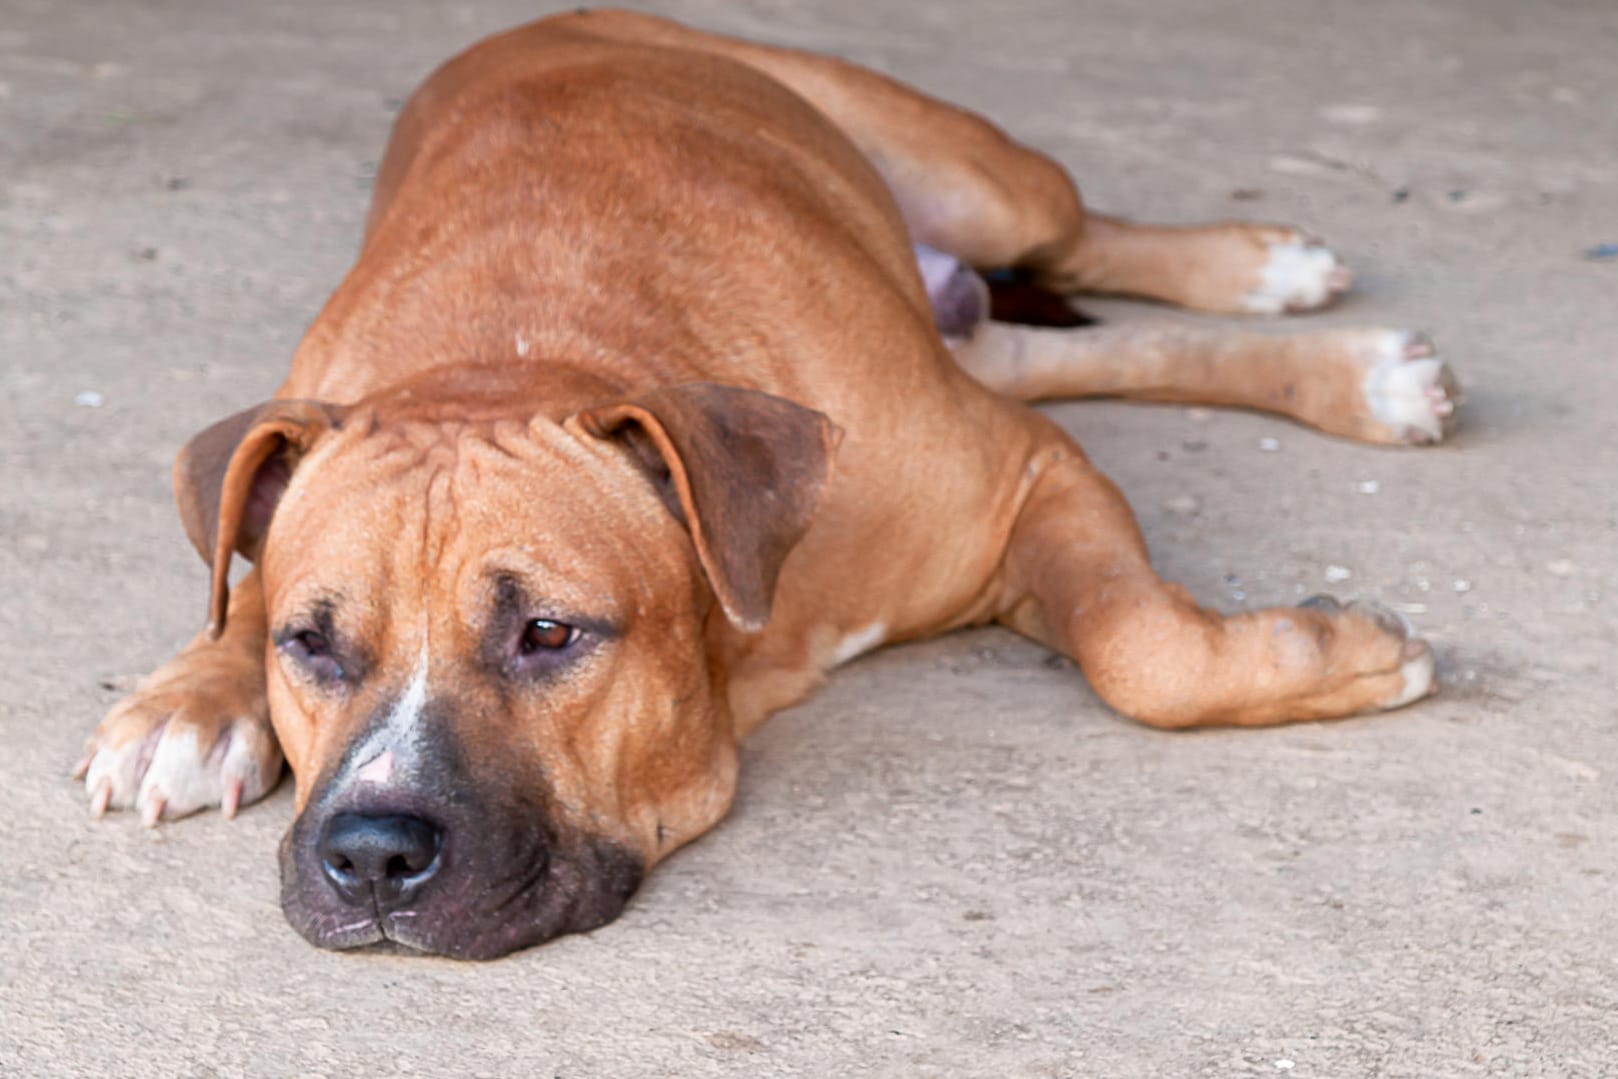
pixel 491 442
pixel 438 515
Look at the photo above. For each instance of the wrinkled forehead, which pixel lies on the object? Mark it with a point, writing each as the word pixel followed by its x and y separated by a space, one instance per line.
pixel 405 509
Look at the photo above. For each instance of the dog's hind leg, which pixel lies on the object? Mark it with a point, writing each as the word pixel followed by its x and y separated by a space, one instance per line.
pixel 1078 580
pixel 1232 267
pixel 1375 385
pixel 196 732
pixel 966 188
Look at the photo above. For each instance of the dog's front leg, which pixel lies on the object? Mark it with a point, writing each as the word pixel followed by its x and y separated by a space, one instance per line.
pixel 1080 582
pixel 196 732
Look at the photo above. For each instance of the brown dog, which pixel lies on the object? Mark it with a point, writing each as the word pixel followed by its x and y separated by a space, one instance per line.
pixel 635 417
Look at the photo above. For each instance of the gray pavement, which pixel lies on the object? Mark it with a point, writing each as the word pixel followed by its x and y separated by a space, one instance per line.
pixel 954 861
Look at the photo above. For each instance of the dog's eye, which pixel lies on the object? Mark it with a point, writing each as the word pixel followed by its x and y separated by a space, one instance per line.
pixel 311 650
pixel 543 635
pixel 312 643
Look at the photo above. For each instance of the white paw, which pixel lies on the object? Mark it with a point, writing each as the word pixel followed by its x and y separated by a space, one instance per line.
pixel 1420 672
pixel 1297 275
pixel 1409 388
pixel 176 767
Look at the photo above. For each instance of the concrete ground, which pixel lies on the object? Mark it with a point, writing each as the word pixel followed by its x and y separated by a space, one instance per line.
pixel 954 861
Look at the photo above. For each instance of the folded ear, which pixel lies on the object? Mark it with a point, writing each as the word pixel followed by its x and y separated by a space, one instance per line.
pixel 228 479
pixel 742 470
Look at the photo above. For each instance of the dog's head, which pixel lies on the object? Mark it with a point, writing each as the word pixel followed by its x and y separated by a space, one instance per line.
pixel 488 652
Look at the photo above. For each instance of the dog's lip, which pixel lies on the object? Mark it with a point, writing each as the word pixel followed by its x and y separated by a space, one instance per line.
pixel 400 927
pixel 354 934
pixel 394 927
pixel 342 930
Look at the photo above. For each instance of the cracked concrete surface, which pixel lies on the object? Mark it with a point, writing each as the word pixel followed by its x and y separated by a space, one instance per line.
pixel 954 861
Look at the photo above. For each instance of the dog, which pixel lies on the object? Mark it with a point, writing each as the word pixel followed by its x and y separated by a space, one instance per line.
pixel 666 380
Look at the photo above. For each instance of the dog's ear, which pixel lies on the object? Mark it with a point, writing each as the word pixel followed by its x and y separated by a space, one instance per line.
pixel 228 479
pixel 742 470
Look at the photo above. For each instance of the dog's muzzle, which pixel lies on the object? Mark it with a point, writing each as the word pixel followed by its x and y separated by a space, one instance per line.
pixel 447 862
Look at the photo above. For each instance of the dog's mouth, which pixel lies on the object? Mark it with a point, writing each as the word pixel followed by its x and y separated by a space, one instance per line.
pixel 490 885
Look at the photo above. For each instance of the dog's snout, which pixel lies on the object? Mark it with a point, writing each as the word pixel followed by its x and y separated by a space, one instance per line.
pixel 384 859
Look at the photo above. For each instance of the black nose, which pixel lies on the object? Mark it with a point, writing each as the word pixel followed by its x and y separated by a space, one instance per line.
pixel 384 857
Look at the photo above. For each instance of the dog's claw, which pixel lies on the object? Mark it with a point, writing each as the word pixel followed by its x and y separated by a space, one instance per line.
pixel 99 800
pixel 232 799
pixel 1442 405
pixel 81 769
pixel 151 810
pixel 1339 281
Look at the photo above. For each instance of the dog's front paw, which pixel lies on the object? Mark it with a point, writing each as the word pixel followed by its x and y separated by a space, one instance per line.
pixel 1379 651
pixel 195 734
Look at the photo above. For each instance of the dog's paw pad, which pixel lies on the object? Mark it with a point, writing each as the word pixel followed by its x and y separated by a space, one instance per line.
pixel 1410 389
pixel 1298 274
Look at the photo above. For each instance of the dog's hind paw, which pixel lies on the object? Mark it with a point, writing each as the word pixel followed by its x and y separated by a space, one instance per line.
pixel 1298 274
pixel 1409 388
pixel 194 735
